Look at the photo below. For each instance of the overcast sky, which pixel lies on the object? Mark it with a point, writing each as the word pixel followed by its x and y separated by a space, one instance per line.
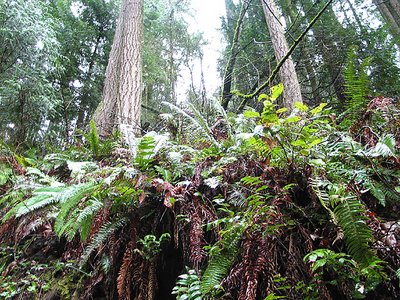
pixel 206 19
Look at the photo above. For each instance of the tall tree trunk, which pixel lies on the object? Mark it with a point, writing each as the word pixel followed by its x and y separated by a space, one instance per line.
pixel 390 11
pixel 291 14
pixel 228 75
pixel 287 72
pixel 123 83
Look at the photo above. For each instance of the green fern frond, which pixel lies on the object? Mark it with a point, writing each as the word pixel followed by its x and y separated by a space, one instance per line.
pixel 94 141
pixel 357 86
pixel 358 235
pixel 69 201
pixel 41 197
pixel 200 122
pixel 187 287
pixel 80 219
pixel 104 232
pixel 222 257
pixel 145 151
pixel 386 147
pixel 319 185
pixel 348 214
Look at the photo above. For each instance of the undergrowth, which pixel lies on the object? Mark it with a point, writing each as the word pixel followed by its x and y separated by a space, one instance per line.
pixel 262 205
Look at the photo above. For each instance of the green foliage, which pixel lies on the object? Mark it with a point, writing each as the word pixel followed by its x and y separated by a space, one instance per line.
pixel 5 173
pixel 145 152
pixel 101 236
pixel 75 207
pixel 347 211
pixel 151 246
pixel 187 287
pixel 345 270
pixel 93 139
pixel 221 256
pixel 358 235
pixel 357 86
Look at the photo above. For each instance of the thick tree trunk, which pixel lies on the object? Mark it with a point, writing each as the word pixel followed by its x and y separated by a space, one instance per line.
pixel 287 72
pixel 306 57
pixel 123 83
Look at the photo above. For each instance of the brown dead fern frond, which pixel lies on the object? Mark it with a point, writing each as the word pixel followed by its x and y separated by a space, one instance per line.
pixel 124 275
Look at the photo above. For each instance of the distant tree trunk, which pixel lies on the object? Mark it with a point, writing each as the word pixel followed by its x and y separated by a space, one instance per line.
pixel 287 72
pixel 228 75
pixel 306 57
pixel 123 83
pixel 390 11
pixel 330 47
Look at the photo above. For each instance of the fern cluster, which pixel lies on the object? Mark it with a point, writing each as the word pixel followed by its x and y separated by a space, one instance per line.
pixel 357 86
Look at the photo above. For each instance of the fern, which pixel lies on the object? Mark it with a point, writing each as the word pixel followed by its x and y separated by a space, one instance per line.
pixel 348 213
pixel 41 197
pixel 94 140
pixel 357 234
pixel 386 147
pixel 69 206
pixel 222 256
pixel 80 220
pixel 356 83
pixel 104 232
pixel 145 151
pixel 71 217
pixel 188 287
pixel 199 122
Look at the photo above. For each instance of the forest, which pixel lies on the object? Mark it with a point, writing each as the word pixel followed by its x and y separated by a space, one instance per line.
pixel 123 175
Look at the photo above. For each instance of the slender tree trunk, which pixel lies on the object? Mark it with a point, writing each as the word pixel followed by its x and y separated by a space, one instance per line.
pixel 123 83
pixel 228 75
pixel 287 72
pixel 327 44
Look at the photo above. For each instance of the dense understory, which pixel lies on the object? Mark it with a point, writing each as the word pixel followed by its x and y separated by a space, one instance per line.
pixel 258 206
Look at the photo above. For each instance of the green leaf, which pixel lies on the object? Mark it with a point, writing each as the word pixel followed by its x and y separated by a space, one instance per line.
pixel 276 91
pixel 293 119
pixel 318 109
pixel 251 114
pixel 301 106
pixel 282 110
pixel 263 97
pixel 299 143
pixel 270 118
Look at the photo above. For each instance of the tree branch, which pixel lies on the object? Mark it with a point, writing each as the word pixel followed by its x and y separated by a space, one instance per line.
pixel 246 97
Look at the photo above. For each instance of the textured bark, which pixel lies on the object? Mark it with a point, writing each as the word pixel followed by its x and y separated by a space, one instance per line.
pixel 123 83
pixel 306 57
pixel 390 11
pixel 287 72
